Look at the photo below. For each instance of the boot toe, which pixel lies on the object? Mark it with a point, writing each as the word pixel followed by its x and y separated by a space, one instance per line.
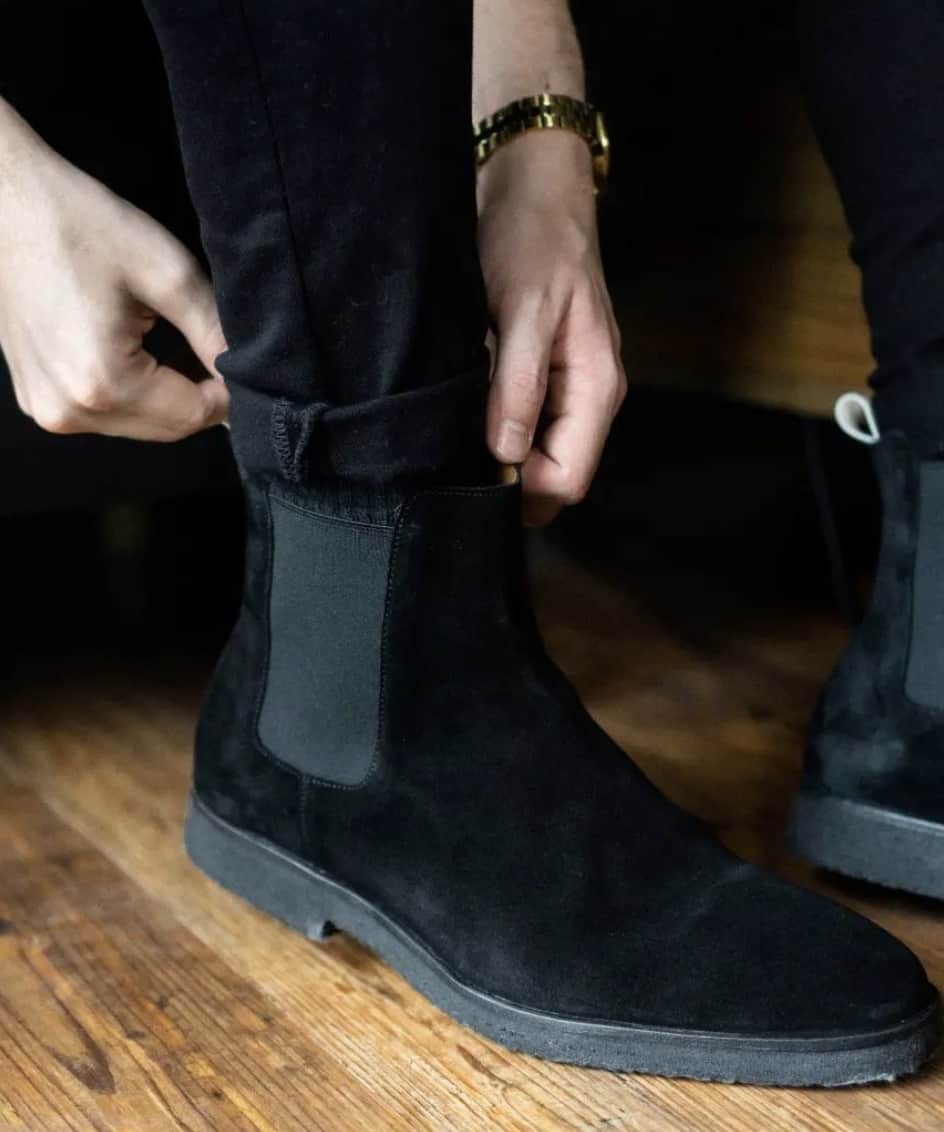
pixel 779 960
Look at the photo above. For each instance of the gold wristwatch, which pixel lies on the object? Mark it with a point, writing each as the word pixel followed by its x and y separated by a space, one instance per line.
pixel 546 112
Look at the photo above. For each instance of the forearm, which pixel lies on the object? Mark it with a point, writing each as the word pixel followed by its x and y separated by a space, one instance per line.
pixel 523 47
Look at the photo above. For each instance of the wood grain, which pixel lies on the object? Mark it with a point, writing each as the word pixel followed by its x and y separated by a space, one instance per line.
pixel 136 995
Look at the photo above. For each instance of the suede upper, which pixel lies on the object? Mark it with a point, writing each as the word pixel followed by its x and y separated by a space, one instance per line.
pixel 869 741
pixel 506 832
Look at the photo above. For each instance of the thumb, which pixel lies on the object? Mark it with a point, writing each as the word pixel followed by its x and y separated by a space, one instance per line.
pixel 176 406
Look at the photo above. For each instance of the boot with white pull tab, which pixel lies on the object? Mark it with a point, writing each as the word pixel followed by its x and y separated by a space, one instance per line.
pixel 871 804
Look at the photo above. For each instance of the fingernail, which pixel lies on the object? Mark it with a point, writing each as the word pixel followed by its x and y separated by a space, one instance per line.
pixel 513 441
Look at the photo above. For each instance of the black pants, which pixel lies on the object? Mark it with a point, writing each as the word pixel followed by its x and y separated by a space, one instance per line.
pixel 327 151
pixel 874 74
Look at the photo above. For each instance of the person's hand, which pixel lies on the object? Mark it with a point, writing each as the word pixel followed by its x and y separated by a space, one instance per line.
pixel 83 277
pixel 558 380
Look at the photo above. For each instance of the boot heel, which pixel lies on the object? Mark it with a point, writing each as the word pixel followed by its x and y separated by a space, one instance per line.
pixel 868 842
pixel 258 872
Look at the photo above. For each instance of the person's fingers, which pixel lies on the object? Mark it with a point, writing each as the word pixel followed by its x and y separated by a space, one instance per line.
pixel 156 403
pixel 570 449
pixel 121 390
pixel 173 285
pixel 169 406
pixel 586 389
pixel 519 382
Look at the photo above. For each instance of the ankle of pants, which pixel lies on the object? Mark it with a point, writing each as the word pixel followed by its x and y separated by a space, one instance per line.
pixel 911 401
pixel 434 433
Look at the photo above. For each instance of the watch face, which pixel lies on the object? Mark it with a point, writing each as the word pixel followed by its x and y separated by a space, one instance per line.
pixel 601 155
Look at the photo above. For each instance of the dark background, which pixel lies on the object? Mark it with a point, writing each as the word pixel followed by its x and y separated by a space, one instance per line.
pixel 735 488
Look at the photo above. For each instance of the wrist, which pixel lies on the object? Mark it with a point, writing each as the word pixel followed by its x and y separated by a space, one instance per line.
pixel 17 141
pixel 21 152
pixel 545 167
pixel 12 156
pixel 11 143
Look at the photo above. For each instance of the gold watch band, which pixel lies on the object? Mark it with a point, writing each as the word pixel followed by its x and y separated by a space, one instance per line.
pixel 546 112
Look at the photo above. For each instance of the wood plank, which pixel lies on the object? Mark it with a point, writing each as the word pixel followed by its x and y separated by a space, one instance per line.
pixel 113 1015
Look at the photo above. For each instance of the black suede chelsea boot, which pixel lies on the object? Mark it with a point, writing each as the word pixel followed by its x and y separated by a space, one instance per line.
pixel 387 750
pixel 871 804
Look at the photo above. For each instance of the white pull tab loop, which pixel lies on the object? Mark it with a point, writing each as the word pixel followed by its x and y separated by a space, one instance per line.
pixel 854 415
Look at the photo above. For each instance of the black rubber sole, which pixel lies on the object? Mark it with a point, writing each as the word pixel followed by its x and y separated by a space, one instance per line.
pixel 868 842
pixel 314 904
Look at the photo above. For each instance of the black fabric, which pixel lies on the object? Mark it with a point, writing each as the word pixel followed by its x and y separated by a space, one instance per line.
pixel 327 152
pixel 423 434
pixel 326 149
pixel 326 611
pixel 869 741
pixel 502 828
pixel 874 74
pixel 915 408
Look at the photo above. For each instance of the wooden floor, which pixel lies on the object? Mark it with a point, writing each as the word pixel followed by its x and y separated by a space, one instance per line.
pixel 135 995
